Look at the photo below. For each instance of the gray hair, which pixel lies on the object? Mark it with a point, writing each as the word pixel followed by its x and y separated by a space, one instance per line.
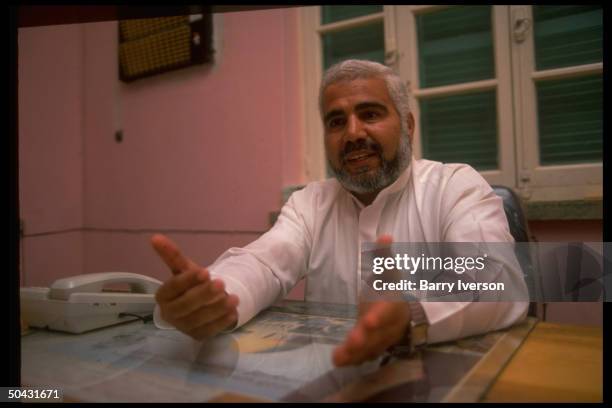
pixel 352 69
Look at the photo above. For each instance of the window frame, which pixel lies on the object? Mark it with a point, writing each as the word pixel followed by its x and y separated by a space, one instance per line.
pixel 516 99
pixel 553 182
pixel 409 68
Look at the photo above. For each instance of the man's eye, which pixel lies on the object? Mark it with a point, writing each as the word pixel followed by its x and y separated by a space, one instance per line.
pixel 370 115
pixel 336 122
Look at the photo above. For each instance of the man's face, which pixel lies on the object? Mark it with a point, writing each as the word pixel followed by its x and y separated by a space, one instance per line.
pixel 366 146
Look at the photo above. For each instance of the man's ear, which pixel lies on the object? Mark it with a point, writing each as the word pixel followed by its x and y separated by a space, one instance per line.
pixel 411 126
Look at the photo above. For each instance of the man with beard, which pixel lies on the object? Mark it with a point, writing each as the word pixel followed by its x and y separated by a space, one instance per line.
pixel 378 194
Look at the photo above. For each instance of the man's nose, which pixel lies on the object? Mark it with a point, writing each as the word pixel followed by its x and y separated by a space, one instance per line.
pixel 354 129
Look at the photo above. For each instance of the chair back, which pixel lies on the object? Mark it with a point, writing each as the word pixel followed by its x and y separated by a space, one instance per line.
pixel 519 229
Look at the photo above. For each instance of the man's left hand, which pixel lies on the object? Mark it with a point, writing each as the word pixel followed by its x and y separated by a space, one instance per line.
pixel 380 325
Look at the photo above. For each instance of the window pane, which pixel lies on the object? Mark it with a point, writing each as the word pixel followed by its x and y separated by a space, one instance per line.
pixel 367 42
pixel 567 35
pixel 331 14
pixel 570 120
pixel 461 129
pixel 455 46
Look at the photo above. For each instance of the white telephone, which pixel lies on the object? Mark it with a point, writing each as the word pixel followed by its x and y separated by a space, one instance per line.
pixel 80 303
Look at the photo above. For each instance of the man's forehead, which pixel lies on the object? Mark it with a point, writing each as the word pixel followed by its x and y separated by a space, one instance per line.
pixel 356 91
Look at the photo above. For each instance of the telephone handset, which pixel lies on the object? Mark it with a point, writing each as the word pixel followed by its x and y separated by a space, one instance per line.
pixel 81 303
pixel 62 289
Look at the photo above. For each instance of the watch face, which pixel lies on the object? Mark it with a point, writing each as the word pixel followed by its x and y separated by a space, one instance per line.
pixel 419 334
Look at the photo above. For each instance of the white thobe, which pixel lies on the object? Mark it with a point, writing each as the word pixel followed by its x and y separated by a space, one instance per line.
pixel 321 228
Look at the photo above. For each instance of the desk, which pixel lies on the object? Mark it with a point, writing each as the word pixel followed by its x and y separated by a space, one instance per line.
pixel 284 354
pixel 559 363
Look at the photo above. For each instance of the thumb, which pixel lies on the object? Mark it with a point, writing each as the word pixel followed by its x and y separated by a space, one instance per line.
pixel 383 245
pixel 382 249
pixel 385 239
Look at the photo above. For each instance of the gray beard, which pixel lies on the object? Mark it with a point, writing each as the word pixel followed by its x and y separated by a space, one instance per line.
pixel 384 176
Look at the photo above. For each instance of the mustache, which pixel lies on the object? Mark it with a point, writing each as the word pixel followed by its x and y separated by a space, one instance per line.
pixel 367 144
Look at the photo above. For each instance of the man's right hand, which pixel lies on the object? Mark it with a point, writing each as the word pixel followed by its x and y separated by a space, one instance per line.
pixel 190 300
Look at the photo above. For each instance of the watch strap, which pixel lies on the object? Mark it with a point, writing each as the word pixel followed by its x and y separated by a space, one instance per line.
pixel 417 313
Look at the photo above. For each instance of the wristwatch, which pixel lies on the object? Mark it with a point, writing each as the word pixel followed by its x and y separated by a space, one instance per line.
pixel 415 335
pixel 419 325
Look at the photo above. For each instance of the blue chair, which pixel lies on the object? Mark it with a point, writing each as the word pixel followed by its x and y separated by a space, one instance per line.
pixel 519 229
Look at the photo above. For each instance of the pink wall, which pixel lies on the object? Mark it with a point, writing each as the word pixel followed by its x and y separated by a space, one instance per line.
pixel 205 155
pixel 191 137
pixel 51 151
pixel 203 149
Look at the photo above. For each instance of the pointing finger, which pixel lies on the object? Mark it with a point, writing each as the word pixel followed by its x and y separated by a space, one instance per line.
pixel 170 254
